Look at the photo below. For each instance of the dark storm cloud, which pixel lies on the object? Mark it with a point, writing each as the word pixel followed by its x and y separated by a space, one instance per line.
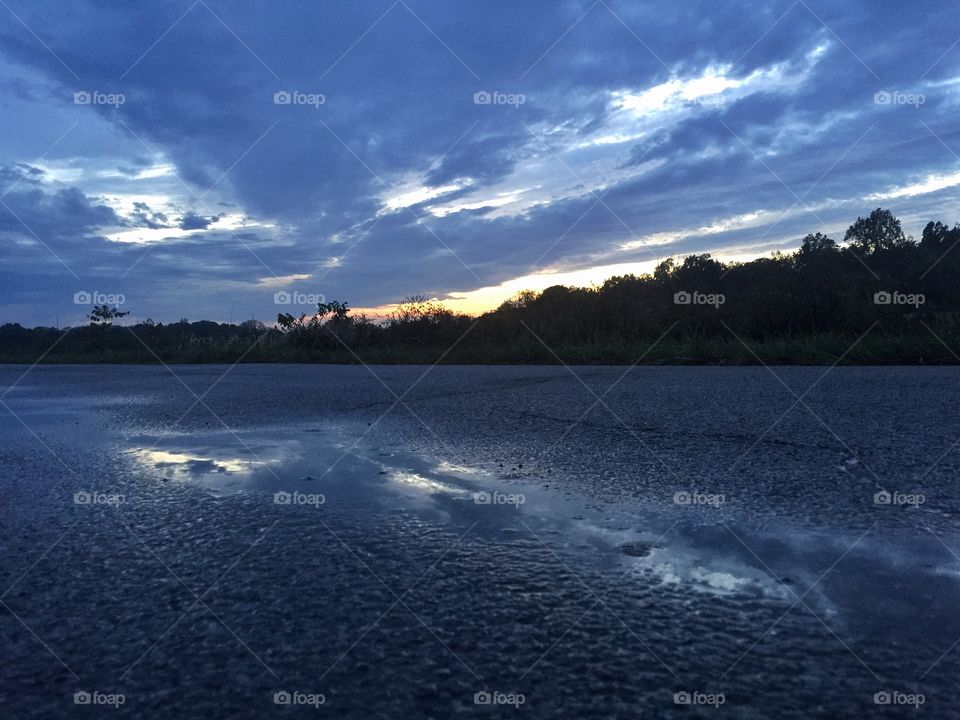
pixel 144 216
pixel 192 221
pixel 62 215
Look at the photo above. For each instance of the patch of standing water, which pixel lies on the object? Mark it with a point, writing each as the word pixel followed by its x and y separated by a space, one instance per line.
pixel 660 547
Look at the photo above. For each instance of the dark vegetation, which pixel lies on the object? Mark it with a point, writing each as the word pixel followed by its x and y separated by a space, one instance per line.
pixel 877 297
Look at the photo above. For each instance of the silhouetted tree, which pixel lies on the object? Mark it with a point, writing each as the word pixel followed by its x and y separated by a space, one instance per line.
pixel 815 244
pixel 877 232
pixel 104 315
pixel 938 237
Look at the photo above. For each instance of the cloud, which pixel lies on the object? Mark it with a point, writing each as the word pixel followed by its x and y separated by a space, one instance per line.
pixel 144 216
pixel 33 211
pixel 192 221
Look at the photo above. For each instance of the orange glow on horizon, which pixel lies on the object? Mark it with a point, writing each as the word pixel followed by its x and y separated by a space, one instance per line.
pixel 476 302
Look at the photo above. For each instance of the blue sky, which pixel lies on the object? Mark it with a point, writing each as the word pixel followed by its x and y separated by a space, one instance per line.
pixel 199 157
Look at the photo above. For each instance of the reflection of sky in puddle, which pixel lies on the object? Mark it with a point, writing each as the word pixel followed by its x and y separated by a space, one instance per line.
pixel 184 466
pixel 278 459
pixel 722 576
pixel 356 477
pixel 448 468
pixel 711 559
pixel 216 459
pixel 416 481
pixel 696 558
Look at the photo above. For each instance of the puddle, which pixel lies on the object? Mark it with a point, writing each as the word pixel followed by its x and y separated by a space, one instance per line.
pixel 650 545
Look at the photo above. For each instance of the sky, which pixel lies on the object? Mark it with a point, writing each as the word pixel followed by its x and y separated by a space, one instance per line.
pixel 226 160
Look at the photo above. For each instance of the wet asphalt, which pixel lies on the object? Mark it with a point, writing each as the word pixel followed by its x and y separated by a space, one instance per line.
pixel 654 542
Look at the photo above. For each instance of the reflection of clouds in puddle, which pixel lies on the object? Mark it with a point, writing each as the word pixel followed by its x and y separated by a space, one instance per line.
pixel 685 567
pixel 215 455
pixel 420 483
pixel 185 465
pixel 448 468
pixel 723 581
pixel 670 561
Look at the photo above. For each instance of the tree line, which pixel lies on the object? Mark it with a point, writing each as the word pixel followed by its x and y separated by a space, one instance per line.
pixel 877 295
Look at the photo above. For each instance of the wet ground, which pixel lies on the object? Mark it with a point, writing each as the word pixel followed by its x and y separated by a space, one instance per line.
pixel 398 541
